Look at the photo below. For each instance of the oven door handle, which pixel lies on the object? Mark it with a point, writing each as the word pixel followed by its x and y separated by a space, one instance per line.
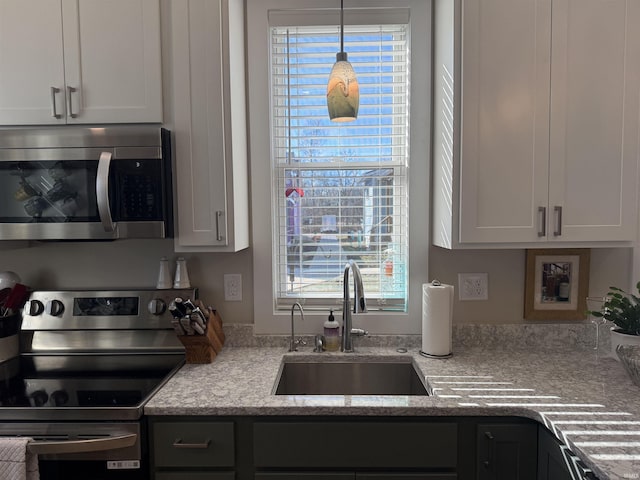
pixel 82 446
pixel 102 192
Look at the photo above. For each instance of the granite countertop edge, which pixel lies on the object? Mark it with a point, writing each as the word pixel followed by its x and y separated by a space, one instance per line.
pixel 583 396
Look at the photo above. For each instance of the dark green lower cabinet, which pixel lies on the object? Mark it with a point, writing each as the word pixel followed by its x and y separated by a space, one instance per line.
pixel 557 462
pixel 356 445
pixel 406 476
pixel 507 452
pixel 305 476
pixel 355 476
pixel 357 448
pixel 195 476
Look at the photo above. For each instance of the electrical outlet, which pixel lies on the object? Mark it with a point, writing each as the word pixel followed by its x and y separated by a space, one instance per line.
pixel 473 286
pixel 233 287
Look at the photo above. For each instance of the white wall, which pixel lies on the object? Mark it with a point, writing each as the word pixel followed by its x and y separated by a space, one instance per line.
pixel 506 269
pixel 127 264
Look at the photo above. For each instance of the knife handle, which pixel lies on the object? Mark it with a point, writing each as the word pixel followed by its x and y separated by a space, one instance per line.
pixel 196 326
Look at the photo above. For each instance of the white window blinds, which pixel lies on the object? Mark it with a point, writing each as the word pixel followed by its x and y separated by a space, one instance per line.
pixel 340 189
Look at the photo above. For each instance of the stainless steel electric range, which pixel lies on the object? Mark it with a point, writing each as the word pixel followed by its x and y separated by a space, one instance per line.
pixel 89 361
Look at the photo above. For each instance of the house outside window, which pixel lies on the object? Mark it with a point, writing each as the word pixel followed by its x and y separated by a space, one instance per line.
pixel 325 193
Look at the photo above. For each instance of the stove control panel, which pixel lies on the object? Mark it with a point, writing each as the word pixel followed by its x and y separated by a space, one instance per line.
pixel 101 309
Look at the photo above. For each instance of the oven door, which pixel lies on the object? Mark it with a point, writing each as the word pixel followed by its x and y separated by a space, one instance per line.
pixel 75 451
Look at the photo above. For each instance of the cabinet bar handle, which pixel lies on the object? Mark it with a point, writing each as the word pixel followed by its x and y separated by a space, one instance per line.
pixel 489 461
pixel 558 213
pixel 178 444
pixel 70 91
pixel 542 212
pixel 219 214
pixel 54 111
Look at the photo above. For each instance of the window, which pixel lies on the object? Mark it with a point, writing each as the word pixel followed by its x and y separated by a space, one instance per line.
pixel 340 189
pixel 324 192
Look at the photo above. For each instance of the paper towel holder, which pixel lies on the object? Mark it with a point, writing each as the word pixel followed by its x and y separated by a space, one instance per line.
pixel 435 283
pixel 430 355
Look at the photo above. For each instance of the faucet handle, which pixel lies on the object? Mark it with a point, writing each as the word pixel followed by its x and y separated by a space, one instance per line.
pixel 318 344
pixel 300 341
pixel 359 332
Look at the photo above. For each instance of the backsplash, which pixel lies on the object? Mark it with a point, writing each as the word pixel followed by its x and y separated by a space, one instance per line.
pixel 134 263
pixel 491 337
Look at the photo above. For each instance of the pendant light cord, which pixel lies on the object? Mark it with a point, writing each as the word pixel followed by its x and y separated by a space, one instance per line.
pixel 341 25
pixel 289 159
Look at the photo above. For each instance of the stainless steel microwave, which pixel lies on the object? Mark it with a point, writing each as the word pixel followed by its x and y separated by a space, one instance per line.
pixel 70 183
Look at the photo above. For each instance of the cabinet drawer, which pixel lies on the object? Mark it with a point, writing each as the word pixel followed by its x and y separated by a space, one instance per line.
pixel 353 476
pixel 195 476
pixel 304 475
pixel 193 444
pixel 406 476
pixel 369 444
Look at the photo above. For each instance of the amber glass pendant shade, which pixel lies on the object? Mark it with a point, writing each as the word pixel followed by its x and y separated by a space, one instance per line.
pixel 343 93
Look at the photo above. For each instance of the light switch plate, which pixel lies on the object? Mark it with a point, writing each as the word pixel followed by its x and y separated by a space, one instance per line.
pixel 233 287
pixel 473 286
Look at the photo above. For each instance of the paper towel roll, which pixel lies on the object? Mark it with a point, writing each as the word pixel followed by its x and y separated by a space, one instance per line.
pixel 437 312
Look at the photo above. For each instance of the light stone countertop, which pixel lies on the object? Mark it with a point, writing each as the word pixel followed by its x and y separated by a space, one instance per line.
pixel 584 396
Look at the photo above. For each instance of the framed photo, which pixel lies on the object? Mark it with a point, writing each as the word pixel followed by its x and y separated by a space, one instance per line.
pixel 556 284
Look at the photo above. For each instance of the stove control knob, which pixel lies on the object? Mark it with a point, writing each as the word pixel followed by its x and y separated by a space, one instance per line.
pixel 39 398
pixel 59 398
pixel 54 307
pixel 35 308
pixel 157 306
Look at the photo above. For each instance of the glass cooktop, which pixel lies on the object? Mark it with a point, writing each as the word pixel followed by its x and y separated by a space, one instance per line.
pixel 86 386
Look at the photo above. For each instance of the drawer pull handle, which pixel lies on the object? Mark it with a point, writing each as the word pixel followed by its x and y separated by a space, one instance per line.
pixel 178 444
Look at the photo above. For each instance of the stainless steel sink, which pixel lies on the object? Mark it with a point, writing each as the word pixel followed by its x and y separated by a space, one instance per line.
pixel 349 377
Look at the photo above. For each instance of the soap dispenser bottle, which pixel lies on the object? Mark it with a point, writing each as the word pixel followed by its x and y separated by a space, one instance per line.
pixel 331 334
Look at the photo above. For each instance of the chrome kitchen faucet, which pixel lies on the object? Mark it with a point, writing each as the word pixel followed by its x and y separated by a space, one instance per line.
pixel 359 306
pixel 293 344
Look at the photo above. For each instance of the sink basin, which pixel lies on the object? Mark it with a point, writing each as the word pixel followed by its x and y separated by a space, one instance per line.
pixel 351 377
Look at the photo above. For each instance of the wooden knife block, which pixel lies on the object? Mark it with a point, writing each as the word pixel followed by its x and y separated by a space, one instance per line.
pixel 204 348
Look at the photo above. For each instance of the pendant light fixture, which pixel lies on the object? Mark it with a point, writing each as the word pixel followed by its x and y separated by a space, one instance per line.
pixel 343 95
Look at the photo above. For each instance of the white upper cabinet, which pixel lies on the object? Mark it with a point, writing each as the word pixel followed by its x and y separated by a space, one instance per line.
pixel 536 131
pixel 595 87
pixel 209 110
pixel 80 61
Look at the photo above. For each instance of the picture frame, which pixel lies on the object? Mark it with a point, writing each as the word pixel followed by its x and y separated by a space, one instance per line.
pixel 556 283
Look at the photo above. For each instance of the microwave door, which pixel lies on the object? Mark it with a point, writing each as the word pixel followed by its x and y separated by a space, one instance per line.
pixel 50 195
pixel 102 192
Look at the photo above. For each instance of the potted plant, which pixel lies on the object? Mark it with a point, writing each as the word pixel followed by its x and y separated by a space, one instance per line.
pixel 623 310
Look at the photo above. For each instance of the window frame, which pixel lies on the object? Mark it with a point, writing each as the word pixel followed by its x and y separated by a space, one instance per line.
pixel 267 320
pixel 377 163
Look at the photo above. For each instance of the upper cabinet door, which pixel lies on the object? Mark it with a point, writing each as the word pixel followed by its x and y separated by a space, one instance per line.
pixel 504 119
pixel 594 120
pixel 208 82
pixel 72 61
pixel 31 63
pixel 536 131
pixel 112 61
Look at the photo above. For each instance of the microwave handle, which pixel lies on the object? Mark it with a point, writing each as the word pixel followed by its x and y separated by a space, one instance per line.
pixel 102 192
pixel 82 446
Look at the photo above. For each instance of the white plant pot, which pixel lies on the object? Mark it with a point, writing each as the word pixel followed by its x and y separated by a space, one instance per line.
pixel 618 338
